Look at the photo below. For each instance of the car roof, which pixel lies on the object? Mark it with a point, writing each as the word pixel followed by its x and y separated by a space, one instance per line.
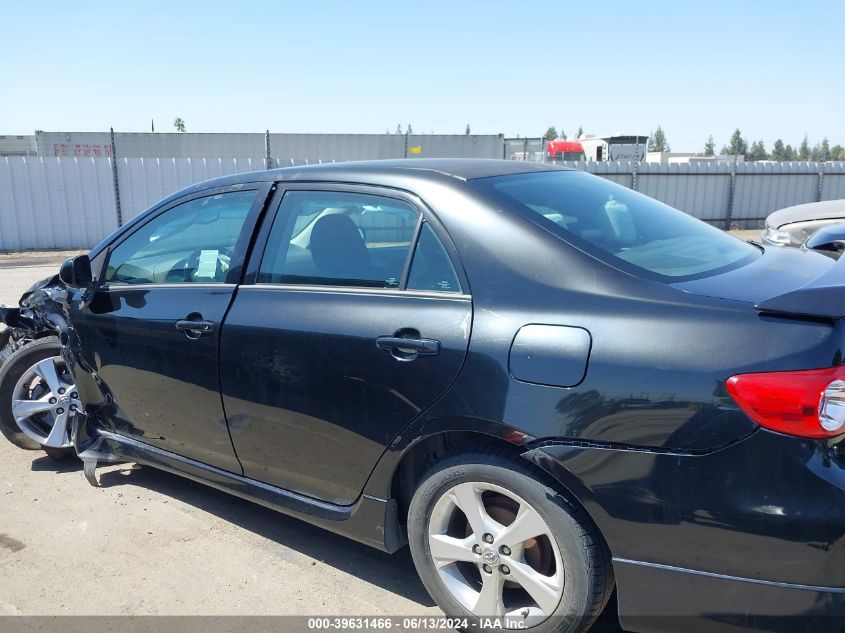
pixel 457 168
pixel 394 172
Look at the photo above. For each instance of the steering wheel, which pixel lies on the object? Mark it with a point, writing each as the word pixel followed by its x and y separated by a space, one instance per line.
pixel 186 269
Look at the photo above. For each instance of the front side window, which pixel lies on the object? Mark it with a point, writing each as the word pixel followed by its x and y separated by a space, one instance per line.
pixel 339 239
pixel 190 243
pixel 622 227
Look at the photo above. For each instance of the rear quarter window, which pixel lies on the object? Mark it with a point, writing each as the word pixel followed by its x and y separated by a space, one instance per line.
pixel 619 226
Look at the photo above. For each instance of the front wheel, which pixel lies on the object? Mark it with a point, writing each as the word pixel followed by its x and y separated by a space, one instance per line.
pixel 493 541
pixel 38 398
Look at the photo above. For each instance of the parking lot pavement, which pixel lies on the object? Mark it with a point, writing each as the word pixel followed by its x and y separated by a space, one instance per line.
pixel 147 542
pixel 748 234
pixel 151 543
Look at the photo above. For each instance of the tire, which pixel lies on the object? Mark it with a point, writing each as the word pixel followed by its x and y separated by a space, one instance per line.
pixel 57 454
pixel 579 578
pixel 5 353
pixel 11 371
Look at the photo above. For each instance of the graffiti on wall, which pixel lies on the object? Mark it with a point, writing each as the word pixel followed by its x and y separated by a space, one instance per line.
pixel 81 150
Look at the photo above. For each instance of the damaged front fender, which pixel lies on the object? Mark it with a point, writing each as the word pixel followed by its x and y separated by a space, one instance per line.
pixel 12 319
pixel 42 311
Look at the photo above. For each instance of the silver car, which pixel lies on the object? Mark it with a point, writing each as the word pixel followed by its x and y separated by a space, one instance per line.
pixel 793 225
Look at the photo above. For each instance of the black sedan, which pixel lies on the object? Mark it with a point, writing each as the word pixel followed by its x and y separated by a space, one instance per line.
pixel 547 385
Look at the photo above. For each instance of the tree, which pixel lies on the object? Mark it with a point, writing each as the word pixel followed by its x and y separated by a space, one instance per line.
pixel 467 130
pixel 657 141
pixel 837 152
pixel 399 128
pixel 580 133
pixel 710 147
pixel 410 129
pixel 758 151
pixel 804 149
pixel 737 145
pixel 821 151
pixel 562 135
pixel 790 153
pixel 779 150
pixel 179 124
pixel 550 134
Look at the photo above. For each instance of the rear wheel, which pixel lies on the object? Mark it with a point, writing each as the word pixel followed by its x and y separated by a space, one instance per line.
pixel 491 538
pixel 38 398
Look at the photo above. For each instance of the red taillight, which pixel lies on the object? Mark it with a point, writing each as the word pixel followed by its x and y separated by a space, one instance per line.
pixel 808 403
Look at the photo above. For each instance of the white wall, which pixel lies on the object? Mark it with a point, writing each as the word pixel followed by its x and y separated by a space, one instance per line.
pixel 55 203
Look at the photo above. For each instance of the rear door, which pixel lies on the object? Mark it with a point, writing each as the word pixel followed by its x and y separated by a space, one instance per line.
pixel 353 321
pixel 150 333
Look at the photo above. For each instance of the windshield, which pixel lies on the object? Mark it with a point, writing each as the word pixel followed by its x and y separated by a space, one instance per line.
pixel 578 156
pixel 627 229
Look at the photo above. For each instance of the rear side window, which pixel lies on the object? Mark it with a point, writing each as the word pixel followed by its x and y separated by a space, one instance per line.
pixel 339 239
pixel 192 242
pixel 624 228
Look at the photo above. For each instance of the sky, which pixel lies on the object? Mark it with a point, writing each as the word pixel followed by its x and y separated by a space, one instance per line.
pixel 772 68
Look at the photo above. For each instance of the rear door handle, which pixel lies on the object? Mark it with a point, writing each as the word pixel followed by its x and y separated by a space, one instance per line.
pixel 408 348
pixel 194 329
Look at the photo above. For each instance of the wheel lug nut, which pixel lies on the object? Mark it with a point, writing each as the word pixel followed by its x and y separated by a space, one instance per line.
pixel 488 538
pixel 487 569
pixel 476 549
pixel 74 395
pixel 60 410
pixel 53 401
pixel 505 569
pixel 61 391
pixel 505 550
pixel 73 407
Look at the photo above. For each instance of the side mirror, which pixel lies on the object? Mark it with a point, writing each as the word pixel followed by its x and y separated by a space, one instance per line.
pixel 76 272
pixel 828 240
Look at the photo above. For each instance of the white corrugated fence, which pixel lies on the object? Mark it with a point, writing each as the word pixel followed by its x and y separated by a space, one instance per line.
pixel 56 202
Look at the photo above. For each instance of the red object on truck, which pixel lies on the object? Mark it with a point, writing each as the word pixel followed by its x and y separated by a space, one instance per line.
pixel 564 150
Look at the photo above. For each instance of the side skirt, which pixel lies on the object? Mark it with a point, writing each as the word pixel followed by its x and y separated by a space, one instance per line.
pixel 369 520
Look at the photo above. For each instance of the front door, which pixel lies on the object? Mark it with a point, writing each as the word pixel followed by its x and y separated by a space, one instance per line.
pixel 356 322
pixel 150 334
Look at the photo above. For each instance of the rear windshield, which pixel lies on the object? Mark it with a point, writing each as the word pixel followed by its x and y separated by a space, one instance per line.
pixel 622 227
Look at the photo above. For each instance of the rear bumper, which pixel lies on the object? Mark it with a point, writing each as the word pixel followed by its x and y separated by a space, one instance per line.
pixel 757 527
pixel 657 598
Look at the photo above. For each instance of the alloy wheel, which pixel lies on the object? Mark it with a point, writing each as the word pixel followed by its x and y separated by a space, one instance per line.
pixel 44 402
pixel 495 553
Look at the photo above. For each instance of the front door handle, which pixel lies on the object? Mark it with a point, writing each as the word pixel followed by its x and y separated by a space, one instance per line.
pixel 194 328
pixel 403 348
